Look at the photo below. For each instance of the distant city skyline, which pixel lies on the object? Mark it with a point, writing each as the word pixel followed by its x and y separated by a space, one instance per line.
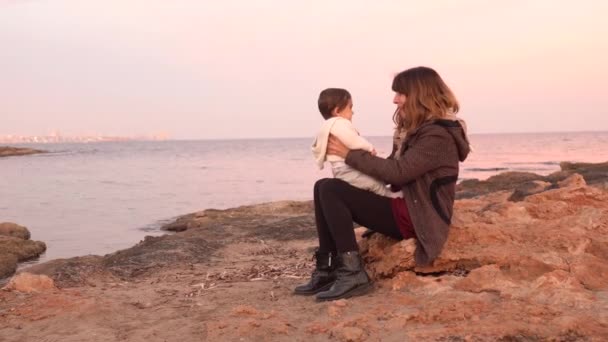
pixel 26 139
pixel 59 138
pixel 253 69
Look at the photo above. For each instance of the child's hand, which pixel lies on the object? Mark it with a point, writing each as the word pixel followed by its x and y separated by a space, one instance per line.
pixel 373 152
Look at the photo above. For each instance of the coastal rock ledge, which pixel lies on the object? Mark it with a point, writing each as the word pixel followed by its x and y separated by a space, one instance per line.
pixel 7 151
pixel 531 269
pixel 544 259
pixel 16 246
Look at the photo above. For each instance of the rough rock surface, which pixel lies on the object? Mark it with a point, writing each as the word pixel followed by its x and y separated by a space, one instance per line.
pixel 545 257
pixel 28 283
pixel 22 249
pixel 7 151
pixel 8 264
pixel 15 247
pixel 14 230
pixel 527 270
pixel 525 183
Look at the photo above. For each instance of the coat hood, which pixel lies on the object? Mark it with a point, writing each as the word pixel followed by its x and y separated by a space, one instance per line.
pixel 458 130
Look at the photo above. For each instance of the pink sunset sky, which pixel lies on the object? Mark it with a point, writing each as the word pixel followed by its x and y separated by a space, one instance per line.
pixel 241 69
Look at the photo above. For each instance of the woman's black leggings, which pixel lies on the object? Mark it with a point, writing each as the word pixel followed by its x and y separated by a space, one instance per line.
pixel 338 204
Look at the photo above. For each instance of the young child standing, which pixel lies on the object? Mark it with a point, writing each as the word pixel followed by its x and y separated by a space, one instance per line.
pixel 336 107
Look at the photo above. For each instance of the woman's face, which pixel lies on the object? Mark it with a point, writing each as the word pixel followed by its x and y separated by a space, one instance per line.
pixel 399 100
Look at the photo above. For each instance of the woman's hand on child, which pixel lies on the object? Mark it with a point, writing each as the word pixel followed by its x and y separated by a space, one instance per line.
pixel 336 147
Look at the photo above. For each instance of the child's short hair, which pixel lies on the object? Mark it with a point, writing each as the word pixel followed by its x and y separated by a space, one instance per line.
pixel 332 98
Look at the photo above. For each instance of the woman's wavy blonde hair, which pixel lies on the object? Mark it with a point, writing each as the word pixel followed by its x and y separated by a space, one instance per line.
pixel 427 98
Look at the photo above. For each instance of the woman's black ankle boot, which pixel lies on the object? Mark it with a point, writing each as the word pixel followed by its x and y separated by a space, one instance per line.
pixel 351 278
pixel 322 277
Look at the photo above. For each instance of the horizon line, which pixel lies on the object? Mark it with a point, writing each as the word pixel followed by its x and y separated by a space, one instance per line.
pixel 134 138
pixel 380 136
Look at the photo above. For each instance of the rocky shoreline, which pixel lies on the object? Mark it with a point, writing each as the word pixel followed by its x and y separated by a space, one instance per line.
pixel 7 151
pixel 523 184
pixel 526 260
pixel 15 247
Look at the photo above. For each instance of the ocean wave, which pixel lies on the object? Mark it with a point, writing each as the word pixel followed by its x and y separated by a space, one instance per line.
pixel 531 168
pixel 484 169
pixel 51 154
pixel 116 183
pixel 61 153
pixel 534 163
pixel 155 227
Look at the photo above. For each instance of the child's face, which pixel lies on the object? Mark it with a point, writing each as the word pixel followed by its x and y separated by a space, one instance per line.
pixel 347 112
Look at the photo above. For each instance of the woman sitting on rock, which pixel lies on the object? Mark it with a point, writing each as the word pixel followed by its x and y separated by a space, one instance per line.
pixel 424 166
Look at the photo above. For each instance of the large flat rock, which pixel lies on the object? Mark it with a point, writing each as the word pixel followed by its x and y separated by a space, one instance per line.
pixel 7 151
pixel 15 246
